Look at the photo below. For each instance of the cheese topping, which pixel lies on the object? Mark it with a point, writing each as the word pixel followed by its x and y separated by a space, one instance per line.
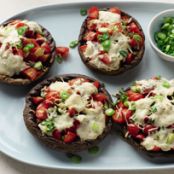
pixel 159 108
pixel 90 114
pixel 118 42
pixel 10 63
pixel 106 16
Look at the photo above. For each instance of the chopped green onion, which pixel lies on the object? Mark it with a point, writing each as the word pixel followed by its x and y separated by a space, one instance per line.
pixel 64 95
pixel 22 30
pixel 135 89
pixel 74 158
pixel 123 53
pixel 158 97
pixel 106 45
pixel 132 106
pixel 38 65
pixel 165 36
pixel 170 138
pixel 166 84
pixel 126 103
pixel 153 109
pixel 19 44
pixel 95 127
pixel 47 126
pixel 28 47
pixel 109 112
pixel 137 37
pixel 161 35
pixel 83 11
pixel 73 44
pixel 59 59
pixel 103 37
pixel 94 150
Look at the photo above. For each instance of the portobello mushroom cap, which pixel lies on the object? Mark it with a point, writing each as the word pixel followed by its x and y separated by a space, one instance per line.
pixel 121 129
pixel 20 80
pixel 123 66
pixel 32 125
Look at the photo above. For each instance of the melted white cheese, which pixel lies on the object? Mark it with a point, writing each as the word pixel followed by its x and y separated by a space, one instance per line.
pixel 94 116
pixel 59 86
pixel 9 35
pixel 109 17
pixel 76 101
pixel 158 139
pixel 63 121
pixel 10 64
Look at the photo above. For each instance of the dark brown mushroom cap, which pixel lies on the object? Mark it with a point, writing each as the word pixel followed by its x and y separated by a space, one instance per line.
pixel 123 66
pixel 17 80
pixel 122 130
pixel 32 125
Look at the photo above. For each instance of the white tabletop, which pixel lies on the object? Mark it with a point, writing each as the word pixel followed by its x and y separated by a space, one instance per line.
pixel 8 165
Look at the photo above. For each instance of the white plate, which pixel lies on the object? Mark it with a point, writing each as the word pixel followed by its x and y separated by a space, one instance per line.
pixel 64 22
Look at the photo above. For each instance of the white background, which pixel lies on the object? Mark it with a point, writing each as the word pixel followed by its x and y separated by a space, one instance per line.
pixel 8 165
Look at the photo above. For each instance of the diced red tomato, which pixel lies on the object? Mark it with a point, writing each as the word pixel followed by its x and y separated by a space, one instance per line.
pixel 30 73
pixel 126 113
pixel 118 118
pixel 70 137
pixel 52 96
pixel 37 100
pixel 100 97
pixel 17 51
pixel 56 134
pixel 133 96
pixel 29 41
pixel 149 128
pixel 96 84
pixel 115 10
pixel 72 112
pixel 29 34
pixel 46 47
pixel 83 48
pixel 90 36
pixel 129 58
pixel 121 105
pixel 41 112
pixel 133 28
pixel 156 149
pixel 93 12
pixel 133 129
pixel 44 58
pixel 20 24
pixel 62 51
pixel 74 127
pixel 91 26
pixel 133 43
pixel 140 137
pixel 105 59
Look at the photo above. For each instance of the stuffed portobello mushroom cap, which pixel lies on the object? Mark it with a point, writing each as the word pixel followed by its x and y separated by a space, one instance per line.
pixel 111 41
pixel 72 138
pixel 27 52
pixel 144 117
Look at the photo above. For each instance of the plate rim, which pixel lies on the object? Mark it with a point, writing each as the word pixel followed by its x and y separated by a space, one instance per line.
pixel 79 3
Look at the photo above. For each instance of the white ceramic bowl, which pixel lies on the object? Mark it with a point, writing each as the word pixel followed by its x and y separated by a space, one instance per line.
pixel 153 27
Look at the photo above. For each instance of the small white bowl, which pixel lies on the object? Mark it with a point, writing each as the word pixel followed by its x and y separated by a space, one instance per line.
pixel 153 27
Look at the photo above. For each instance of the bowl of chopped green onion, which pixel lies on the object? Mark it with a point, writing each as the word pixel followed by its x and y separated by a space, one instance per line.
pixel 161 34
